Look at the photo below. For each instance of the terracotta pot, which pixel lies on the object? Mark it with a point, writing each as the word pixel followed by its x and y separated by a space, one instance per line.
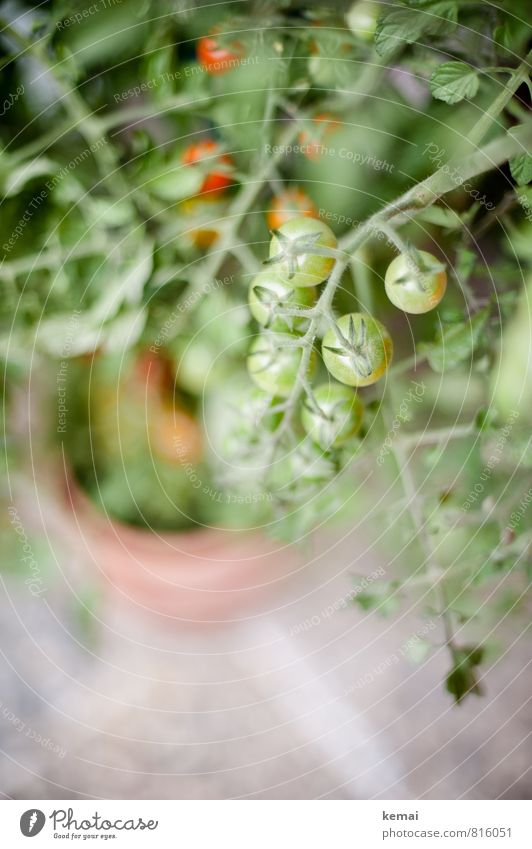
pixel 193 578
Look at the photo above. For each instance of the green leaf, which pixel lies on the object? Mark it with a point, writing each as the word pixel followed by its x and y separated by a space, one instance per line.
pixel 417 650
pixel 455 343
pixel 462 679
pixel 521 169
pixel 484 418
pixel 464 264
pixel 408 25
pixel 453 82
pixel 381 596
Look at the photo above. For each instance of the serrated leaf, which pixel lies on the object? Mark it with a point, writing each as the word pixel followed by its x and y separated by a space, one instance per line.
pixel 407 25
pixel 462 679
pixel 453 82
pixel 455 343
pixel 521 169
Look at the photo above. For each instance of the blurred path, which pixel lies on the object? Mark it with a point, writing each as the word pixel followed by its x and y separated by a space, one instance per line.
pixel 300 702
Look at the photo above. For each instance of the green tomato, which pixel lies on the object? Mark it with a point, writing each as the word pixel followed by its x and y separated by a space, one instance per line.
pixel 362 19
pixel 274 368
pixel 268 291
pixel 248 416
pixel 305 465
pixel 360 352
pixel 417 283
pixel 339 416
pixel 291 251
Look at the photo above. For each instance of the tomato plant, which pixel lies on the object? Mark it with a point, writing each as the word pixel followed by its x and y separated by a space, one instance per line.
pixel 136 173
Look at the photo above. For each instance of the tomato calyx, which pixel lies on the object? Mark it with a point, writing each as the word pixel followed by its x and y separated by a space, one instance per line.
pixel 272 301
pixel 291 249
pixel 355 347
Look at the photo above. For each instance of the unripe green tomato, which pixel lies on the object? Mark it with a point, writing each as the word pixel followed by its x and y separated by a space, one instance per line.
pixel 302 268
pixel 250 414
pixel 268 291
pixel 362 19
pixel 415 284
pixel 274 368
pixel 306 464
pixel 338 419
pixel 364 356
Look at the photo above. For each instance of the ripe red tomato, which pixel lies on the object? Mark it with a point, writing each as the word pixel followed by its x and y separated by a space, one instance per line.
pixel 151 373
pixel 175 435
pixel 215 181
pixel 290 203
pixel 215 58
pixel 325 125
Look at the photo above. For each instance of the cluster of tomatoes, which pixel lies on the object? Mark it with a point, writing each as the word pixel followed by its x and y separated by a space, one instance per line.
pixel 356 350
